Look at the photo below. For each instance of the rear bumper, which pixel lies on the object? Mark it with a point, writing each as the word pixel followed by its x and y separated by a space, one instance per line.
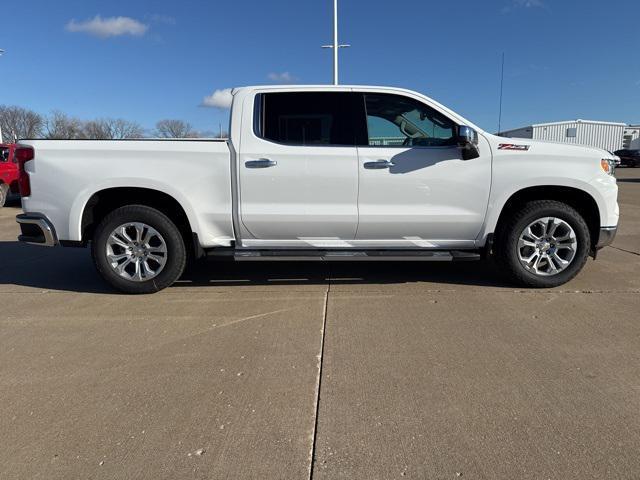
pixel 36 229
pixel 607 234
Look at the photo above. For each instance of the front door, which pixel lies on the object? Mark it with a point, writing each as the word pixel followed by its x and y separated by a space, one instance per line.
pixel 298 171
pixel 415 189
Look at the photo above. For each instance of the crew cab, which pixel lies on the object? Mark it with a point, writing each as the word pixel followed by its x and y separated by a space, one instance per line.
pixel 9 174
pixel 323 173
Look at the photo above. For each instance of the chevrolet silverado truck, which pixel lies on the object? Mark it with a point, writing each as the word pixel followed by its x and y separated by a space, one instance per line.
pixel 322 173
pixel 9 173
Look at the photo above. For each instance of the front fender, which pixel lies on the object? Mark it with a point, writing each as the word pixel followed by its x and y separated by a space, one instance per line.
pixel 602 190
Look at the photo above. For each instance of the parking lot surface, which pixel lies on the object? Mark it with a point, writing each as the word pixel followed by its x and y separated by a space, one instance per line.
pixel 326 370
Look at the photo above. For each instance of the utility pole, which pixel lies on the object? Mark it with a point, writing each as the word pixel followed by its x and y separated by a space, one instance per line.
pixel 336 46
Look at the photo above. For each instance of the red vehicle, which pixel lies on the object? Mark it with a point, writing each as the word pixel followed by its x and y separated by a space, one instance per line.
pixel 9 172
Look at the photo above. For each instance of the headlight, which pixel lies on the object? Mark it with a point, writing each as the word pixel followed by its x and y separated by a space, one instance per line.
pixel 608 165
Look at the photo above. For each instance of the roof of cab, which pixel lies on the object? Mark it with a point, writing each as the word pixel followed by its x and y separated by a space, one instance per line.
pixel 345 88
pixel 317 87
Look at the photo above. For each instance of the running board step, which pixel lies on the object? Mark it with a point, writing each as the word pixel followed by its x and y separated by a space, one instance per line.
pixel 347 255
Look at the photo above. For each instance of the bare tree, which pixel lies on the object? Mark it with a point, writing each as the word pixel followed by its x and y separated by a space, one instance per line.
pixel 112 128
pixel 97 130
pixel 174 129
pixel 126 129
pixel 60 126
pixel 20 122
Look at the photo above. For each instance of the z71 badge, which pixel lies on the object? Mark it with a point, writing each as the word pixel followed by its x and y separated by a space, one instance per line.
pixel 512 146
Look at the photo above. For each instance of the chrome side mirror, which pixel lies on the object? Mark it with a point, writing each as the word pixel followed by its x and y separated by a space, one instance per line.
pixel 468 142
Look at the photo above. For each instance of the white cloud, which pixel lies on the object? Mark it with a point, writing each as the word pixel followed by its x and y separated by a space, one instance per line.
pixel 108 26
pixel 218 99
pixel 284 77
pixel 517 4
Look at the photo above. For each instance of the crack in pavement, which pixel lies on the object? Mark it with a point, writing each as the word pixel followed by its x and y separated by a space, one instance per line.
pixel 252 317
pixel 314 434
pixel 626 251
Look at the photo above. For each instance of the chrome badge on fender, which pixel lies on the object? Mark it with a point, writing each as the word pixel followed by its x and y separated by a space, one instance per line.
pixel 512 146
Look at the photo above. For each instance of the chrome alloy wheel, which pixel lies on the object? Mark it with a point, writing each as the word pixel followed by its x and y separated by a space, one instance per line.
pixel 547 246
pixel 136 251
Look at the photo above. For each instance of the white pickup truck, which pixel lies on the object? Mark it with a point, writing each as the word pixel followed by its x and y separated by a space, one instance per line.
pixel 322 173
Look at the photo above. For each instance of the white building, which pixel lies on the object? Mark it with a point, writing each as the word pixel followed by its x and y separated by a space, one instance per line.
pixel 607 135
pixel 631 138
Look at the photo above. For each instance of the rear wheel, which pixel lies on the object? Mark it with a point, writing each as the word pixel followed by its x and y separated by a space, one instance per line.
pixel 138 249
pixel 4 193
pixel 545 244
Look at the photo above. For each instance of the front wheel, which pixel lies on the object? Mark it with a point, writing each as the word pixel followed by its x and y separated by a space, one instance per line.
pixel 138 249
pixel 545 244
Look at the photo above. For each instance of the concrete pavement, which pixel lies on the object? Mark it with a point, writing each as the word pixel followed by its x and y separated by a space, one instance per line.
pixel 339 371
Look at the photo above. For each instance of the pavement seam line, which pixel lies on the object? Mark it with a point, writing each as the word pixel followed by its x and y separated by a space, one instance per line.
pixel 312 453
pixel 626 251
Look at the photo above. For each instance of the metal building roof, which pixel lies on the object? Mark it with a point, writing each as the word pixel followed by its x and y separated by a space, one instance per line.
pixel 579 120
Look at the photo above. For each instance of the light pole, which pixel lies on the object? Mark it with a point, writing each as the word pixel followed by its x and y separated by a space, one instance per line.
pixel 336 46
pixel 1 53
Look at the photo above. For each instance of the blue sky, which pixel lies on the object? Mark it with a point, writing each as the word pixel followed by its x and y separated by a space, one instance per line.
pixel 564 58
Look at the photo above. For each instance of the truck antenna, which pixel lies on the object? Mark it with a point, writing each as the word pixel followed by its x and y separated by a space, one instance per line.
pixel 501 85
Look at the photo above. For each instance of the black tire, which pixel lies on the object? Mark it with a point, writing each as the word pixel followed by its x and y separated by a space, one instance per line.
pixel 176 255
pixel 4 193
pixel 507 243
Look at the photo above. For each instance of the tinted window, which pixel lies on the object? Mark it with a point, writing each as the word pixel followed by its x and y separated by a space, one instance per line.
pixel 394 120
pixel 310 118
pixel 4 154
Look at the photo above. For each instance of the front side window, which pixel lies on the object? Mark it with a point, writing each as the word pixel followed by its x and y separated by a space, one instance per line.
pixel 394 120
pixel 4 154
pixel 310 118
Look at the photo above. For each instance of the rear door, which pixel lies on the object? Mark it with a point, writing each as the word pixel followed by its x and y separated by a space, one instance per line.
pixel 298 169
pixel 415 188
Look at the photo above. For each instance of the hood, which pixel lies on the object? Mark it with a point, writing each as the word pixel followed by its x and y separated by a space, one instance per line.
pixel 545 147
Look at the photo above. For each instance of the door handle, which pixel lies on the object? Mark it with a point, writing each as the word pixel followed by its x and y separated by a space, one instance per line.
pixel 378 164
pixel 262 163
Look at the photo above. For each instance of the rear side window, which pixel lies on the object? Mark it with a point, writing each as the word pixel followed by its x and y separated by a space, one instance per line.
pixel 311 118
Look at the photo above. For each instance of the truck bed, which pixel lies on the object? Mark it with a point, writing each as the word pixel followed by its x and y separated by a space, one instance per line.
pixel 195 172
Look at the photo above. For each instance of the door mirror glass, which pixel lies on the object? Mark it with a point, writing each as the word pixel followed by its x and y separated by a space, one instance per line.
pixel 468 141
pixel 467 135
